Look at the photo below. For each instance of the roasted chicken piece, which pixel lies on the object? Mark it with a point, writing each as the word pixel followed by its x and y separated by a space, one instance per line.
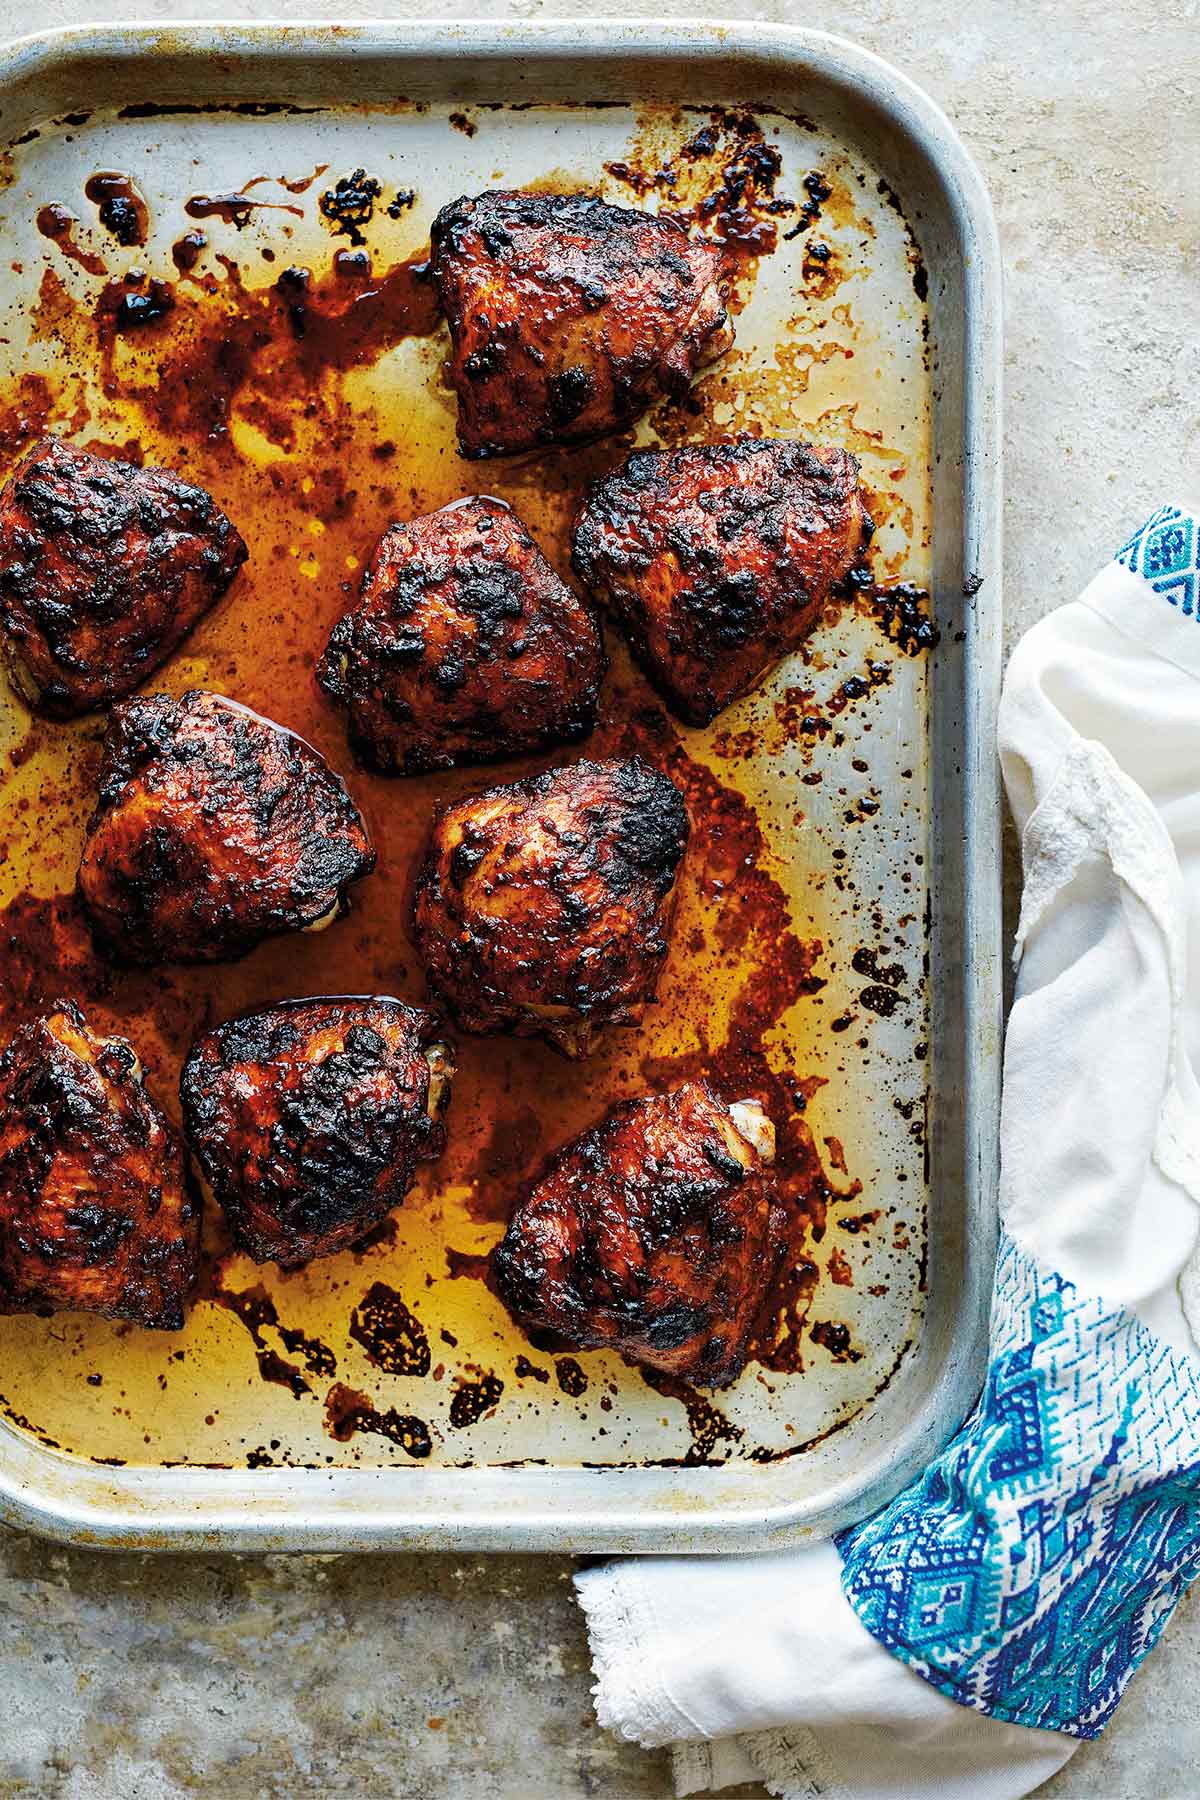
pixel 656 1233
pixel 96 1212
pixel 545 908
pixel 104 569
pixel 568 316
pixel 465 646
pixel 213 829
pixel 718 559
pixel 309 1119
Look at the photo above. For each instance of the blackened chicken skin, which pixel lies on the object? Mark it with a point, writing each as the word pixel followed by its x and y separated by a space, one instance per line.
pixel 656 1233
pixel 213 829
pixel 719 559
pixel 465 646
pixel 96 1213
pixel 104 569
pixel 569 316
pixel 309 1119
pixel 545 908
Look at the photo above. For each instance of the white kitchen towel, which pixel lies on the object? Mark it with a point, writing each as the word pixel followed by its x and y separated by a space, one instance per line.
pixel 762 1667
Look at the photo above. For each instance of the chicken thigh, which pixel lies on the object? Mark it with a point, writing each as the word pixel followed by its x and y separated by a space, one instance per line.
pixel 545 908
pixel 104 569
pixel 569 316
pixel 309 1119
pixel 656 1233
pixel 465 646
pixel 213 829
pixel 718 559
pixel 96 1213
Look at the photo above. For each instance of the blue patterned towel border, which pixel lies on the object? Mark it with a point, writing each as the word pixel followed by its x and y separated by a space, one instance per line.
pixel 1037 1560
pixel 1165 552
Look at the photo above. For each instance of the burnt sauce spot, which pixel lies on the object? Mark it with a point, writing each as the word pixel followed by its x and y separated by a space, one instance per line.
pixel 706 1422
pixel 121 206
pixel 392 1337
pixel 349 205
pixel 835 1338
pixel 472 1399
pixel 255 1309
pixel 571 1378
pixel 902 612
pixel 187 250
pixel 722 183
pixel 347 1411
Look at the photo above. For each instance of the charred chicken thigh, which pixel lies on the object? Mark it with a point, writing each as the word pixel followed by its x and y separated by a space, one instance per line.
pixel 655 1233
pixel 569 316
pixel 545 908
pixel 213 829
pixel 309 1119
pixel 104 569
pixel 96 1214
pixel 719 558
pixel 465 646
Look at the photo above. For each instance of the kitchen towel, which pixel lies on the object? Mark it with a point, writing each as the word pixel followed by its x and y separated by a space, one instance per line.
pixel 964 1640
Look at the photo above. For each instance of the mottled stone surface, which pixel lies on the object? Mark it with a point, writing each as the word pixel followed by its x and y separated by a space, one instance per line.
pixel 131 1678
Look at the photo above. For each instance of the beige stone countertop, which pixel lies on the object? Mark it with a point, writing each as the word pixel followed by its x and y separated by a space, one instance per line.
pixel 128 1677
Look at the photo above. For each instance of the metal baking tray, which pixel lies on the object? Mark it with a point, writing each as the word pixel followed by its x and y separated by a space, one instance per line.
pixel 845 863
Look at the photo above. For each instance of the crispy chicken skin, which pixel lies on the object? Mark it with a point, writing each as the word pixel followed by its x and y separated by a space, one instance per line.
pixel 309 1119
pixel 96 1213
pixel 568 316
pixel 213 829
pixel 104 569
pixel 655 1233
pixel 545 908
pixel 719 558
pixel 465 646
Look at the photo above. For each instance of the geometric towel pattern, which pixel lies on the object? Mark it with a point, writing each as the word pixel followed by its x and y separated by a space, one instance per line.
pixel 1032 1567
pixel 1166 553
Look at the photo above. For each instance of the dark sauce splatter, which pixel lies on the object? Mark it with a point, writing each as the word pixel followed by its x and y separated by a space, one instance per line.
pixel 256 1309
pixel 571 1378
pixel 298 184
pixel 722 182
pixel 817 191
pixel 391 1335
pixel 866 962
pixel 902 612
pixel 835 1338
pixel 131 305
pixel 468 1263
pixel 707 1424
pixel 473 1399
pixel 121 206
pixel 347 1411
pixel 349 205
pixel 236 209
pixel 43 1437
pixel 58 224
pixel 187 251
pixel 857 687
